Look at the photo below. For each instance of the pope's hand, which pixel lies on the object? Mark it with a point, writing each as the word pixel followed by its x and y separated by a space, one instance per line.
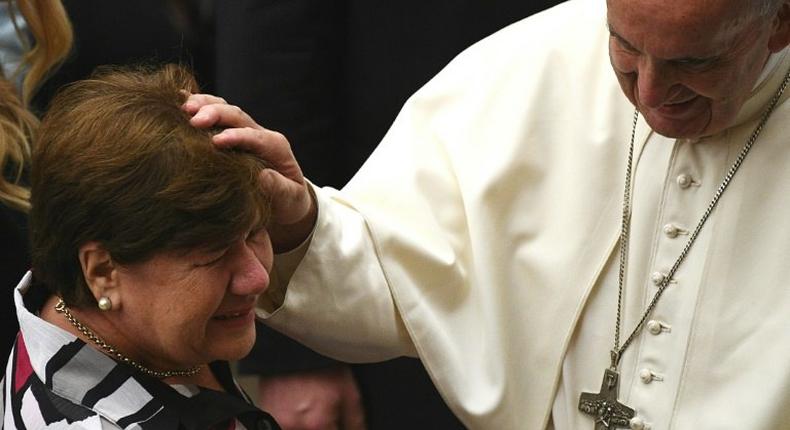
pixel 293 206
pixel 323 399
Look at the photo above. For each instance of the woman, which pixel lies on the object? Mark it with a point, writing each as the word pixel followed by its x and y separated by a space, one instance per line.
pixel 149 251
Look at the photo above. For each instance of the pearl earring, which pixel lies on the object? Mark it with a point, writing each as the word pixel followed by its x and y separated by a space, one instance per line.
pixel 104 303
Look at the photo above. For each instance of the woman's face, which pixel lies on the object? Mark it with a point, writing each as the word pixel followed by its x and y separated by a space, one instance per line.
pixel 181 309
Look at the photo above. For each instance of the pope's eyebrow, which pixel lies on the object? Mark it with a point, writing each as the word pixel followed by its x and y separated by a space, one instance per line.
pixel 681 60
pixel 696 61
pixel 622 40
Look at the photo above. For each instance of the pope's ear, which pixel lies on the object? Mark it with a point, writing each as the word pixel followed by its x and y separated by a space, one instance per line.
pixel 99 271
pixel 780 37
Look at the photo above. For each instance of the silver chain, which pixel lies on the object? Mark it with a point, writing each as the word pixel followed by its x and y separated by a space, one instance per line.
pixel 617 352
pixel 113 352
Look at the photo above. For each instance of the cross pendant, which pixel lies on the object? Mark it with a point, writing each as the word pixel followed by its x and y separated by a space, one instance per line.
pixel 604 407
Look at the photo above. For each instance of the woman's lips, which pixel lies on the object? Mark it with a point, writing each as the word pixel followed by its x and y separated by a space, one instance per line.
pixel 229 316
pixel 240 316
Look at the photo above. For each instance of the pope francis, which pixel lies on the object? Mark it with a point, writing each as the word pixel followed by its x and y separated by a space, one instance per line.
pixel 581 223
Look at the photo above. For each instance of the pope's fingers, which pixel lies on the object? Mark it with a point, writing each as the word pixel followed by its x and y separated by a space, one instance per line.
pixel 195 101
pixel 222 115
pixel 268 145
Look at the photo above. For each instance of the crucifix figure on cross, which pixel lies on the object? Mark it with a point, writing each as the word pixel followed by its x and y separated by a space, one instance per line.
pixel 604 407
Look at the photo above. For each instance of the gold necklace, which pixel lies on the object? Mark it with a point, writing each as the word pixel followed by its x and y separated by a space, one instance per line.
pixel 604 406
pixel 113 352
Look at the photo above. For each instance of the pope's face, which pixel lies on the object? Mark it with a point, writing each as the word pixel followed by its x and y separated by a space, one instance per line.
pixel 182 309
pixel 688 65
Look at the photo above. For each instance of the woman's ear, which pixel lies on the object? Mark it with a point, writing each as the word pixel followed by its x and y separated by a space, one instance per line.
pixel 101 275
pixel 781 35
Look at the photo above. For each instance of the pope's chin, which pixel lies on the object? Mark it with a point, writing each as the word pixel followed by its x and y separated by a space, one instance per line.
pixel 689 120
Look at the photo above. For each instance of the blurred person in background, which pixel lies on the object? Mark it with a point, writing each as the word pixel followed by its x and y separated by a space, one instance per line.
pixel 35 35
pixel 117 32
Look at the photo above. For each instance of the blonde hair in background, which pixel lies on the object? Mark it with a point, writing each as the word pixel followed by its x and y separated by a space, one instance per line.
pixel 52 35
pixel 52 39
pixel 17 125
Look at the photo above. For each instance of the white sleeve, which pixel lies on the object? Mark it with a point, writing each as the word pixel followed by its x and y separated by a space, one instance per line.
pixel 337 301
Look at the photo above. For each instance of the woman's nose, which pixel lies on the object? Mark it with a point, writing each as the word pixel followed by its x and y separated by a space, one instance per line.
pixel 250 276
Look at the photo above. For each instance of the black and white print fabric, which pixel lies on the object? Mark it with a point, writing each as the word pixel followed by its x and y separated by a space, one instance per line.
pixel 55 381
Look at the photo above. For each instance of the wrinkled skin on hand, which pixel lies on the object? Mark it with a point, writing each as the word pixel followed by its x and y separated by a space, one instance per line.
pixel 293 206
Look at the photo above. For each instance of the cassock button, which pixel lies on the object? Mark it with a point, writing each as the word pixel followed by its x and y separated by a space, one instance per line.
pixel 684 181
pixel 657 278
pixel 637 423
pixel 671 231
pixel 646 376
pixel 654 327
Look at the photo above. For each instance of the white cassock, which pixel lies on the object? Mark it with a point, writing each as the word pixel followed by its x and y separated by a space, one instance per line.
pixel 482 236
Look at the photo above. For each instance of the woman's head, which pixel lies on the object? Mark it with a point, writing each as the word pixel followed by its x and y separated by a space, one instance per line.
pixel 131 202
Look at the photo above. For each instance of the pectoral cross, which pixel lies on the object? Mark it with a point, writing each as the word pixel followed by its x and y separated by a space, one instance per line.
pixel 604 407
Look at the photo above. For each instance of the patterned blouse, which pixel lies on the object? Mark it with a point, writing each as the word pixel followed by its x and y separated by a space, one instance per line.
pixel 55 381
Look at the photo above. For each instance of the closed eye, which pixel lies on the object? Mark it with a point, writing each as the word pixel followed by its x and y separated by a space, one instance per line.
pixel 695 63
pixel 625 46
pixel 257 235
pixel 216 259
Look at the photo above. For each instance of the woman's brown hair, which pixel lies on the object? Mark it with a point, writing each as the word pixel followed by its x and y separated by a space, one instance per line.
pixel 117 161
